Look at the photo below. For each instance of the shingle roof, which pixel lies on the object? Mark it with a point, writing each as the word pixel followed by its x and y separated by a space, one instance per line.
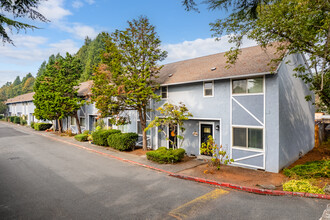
pixel 252 60
pixel 85 88
pixel 21 98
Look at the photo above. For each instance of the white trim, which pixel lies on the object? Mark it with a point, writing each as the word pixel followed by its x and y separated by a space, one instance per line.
pixel 251 156
pixel 248 149
pixel 211 119
pixel 199 133
pixel 247 126
pixel 208 96
pixel 247 165
pixel 264 131
pixel 231 119
pixel 248 111
pixel 260 127
pixel 219 78
pixel 157 138
pixel 247 94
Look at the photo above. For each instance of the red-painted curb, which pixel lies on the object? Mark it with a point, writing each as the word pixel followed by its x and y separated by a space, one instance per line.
pixel 200 180
pixel 251 189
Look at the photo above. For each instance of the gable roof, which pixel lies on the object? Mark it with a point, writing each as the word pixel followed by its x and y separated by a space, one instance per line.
pixel 21 98
pixel 85 88
pixel 251 61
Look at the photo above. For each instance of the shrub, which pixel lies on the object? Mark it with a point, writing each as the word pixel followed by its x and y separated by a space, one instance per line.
pixel 123 141
pixel 164 155
pixel 86 132
pixel 301 186
pixel 11 118
pixel 81 137
pixel 23 121
pixel 42 126
pixel 32 124
pixel 1 116
pixel 17 120
pixel 313 169
pixel 100 136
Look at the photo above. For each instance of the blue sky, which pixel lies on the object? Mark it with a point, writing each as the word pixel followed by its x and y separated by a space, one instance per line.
pixel 183 34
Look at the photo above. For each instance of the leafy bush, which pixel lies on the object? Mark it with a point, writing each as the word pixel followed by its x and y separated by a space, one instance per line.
pixel 123 141
pixel 42 126
pixel 301 186
pixel 81 137
pixel 11 118
pixel 23 121
pixel 100 136
pixel 1 116
pixel 32 124
pixel 164 155
pixel 86 132
pixel 314 169
pixel 17 120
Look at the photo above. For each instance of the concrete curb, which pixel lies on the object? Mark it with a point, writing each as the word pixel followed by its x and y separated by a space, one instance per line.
pixel 251 189
pixel 197 179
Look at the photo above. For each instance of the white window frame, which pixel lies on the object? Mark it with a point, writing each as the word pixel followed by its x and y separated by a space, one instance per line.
pixel 208 96
pixel 247 138
pixel 84 126
pixel 246 92
pixel 161 92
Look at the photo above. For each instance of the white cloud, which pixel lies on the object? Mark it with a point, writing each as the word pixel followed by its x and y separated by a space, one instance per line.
pixel 78 30
pixel 199 47
pixel 90 2
pixel 53 10
pixel 77 4
pixel 29 53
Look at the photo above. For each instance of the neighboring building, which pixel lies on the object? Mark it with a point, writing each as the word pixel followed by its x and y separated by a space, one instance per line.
pixel 256 111
pixel 21 105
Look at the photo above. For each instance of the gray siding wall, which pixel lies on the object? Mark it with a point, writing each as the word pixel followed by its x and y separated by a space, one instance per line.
pixel 207 109
pixel 271 123
pixel 296 115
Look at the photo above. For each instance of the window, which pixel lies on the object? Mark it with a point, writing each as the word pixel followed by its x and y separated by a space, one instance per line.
pixel 164 92
pixel 82 122
pixel 73 121
pixel 254 85
pixel 248 137
pixel 208 89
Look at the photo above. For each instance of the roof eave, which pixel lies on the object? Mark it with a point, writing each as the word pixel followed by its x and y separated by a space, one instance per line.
pixel 220 78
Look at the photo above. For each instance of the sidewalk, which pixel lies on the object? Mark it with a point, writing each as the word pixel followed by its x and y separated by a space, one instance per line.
pixel 248 180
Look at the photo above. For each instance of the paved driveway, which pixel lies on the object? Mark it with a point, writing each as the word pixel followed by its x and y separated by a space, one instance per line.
pixel 41 178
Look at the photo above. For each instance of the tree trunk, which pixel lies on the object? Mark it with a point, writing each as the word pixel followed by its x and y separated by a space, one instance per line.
pixel 77 122
pixel 60 129
pixel 143 122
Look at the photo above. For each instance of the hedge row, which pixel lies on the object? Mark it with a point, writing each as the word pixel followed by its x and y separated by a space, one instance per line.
pixel 81 137
pixel 115 139
pixel 164 155
pixel 41 126
pixel 100 137
pixel 123 141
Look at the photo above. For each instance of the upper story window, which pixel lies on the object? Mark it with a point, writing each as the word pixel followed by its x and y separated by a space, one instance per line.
pixel 163 90
pixel 254 85
pixel 208 89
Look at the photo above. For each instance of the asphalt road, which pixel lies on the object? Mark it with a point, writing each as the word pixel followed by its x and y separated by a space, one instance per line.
pixel 41 178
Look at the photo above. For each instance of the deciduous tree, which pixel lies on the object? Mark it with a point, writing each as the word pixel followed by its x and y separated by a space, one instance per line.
pixel 298 26
pixel 125 79
pixel 171 116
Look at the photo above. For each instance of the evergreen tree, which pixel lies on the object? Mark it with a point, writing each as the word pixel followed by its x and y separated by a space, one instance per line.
pixel 56 91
